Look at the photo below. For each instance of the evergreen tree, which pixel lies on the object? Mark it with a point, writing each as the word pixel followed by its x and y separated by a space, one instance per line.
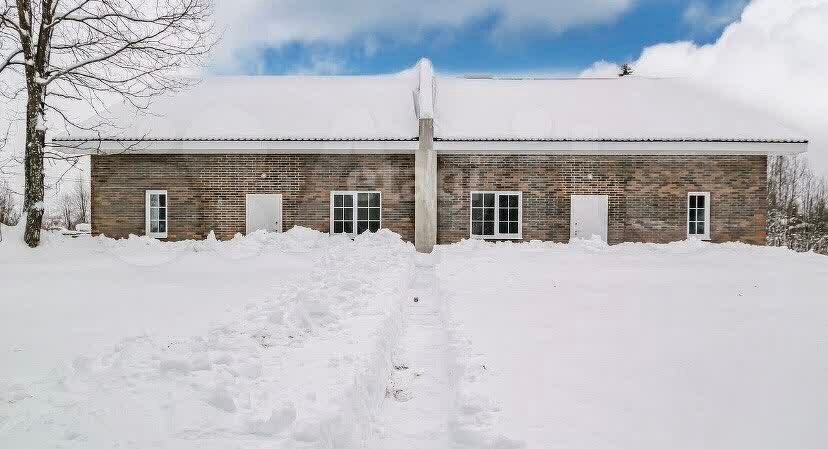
pixel 626 70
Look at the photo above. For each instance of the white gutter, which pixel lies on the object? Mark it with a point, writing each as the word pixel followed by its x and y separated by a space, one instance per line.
pixel 410 146
pixel 236 146
pixel 621 148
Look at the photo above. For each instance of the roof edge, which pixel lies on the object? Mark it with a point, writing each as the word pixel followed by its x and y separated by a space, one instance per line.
pixel 229 146
pixel 623 147
pixel 414 139
pixel 513 147
pixel 235 139
pixel 633 140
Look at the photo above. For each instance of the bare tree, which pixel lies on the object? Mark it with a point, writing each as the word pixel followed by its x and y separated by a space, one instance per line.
pixel 798 205
pixel 9 214
pixel 74 205
pixel 68 210
pixel 82 197
pixel 90 51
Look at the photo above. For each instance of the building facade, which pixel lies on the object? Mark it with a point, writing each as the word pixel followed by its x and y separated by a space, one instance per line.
pixel 439 170
pixel 647 196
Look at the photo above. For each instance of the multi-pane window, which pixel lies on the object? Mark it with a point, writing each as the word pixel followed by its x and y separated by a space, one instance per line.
pixel 343 213
pixel 355 212
pixel 156 213
pixel 508 213
pixel 368 212
pixel 698 215
pixel 483 214
pixel 496 215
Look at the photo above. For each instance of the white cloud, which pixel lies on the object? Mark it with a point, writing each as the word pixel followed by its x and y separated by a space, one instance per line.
pixel 601 69
pixel 773 58
pixel 703 17
pixel 321 63
pixel 252 25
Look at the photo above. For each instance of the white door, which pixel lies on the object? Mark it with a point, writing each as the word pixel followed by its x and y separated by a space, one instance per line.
pixel 263 211
pixel 588 216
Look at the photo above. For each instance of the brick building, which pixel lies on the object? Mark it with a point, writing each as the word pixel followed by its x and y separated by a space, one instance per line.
pixel 439 159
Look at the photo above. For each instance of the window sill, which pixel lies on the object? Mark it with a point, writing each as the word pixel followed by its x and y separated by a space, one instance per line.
pixel 696 237
pixel 497 237
pixel 352 235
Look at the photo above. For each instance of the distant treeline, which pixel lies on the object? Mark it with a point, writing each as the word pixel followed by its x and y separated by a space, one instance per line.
pixel 797 205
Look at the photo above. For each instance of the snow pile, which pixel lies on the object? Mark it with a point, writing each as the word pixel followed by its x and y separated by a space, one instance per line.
pixel 684 345
pixel 12 243
pixel 304 367
pixel 425 90
pixel 11 235
pixel 142 250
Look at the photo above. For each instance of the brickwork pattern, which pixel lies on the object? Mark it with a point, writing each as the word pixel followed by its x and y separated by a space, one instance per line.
pixel 647 194
pixel 207 192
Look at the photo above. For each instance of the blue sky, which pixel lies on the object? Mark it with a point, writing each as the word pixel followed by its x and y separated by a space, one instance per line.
pixel 475 47
pixel 766 53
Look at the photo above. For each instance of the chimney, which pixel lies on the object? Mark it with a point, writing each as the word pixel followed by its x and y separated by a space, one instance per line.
pixel 425 163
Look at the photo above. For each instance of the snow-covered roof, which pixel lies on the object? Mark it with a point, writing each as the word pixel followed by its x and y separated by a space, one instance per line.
pixel 279 108
pixel 619 109
pixel 380 113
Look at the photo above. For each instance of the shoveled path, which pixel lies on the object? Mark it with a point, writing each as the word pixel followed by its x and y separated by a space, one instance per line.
pixel 420 396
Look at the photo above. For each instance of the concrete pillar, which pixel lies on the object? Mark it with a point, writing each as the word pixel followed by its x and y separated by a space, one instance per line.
pixel 425 189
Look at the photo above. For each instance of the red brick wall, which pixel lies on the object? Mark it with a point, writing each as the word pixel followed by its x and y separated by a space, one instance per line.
pixel 207 192
pixel 647 194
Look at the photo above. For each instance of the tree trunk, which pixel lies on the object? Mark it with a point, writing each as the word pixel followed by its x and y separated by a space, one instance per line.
pixel 35 143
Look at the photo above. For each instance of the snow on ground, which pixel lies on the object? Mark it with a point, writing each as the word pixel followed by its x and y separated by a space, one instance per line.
pixel 279 340
pixel 80 295
pixel 685 345
pixel 302 340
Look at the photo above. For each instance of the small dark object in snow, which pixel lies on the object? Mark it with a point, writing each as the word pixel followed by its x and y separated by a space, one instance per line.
pixel 400 367
pixel 416 299
pixel 398 394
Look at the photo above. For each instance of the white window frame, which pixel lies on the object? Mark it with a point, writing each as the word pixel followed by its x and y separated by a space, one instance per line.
pixel 147 195
pixel 355 195
pixel 707 224
pixel 497 235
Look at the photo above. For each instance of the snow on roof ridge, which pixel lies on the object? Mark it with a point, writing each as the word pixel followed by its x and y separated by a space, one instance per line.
pixel 478 77
pixel 424 95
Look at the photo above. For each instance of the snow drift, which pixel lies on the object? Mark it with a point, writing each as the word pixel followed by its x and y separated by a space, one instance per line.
pixel 303 367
